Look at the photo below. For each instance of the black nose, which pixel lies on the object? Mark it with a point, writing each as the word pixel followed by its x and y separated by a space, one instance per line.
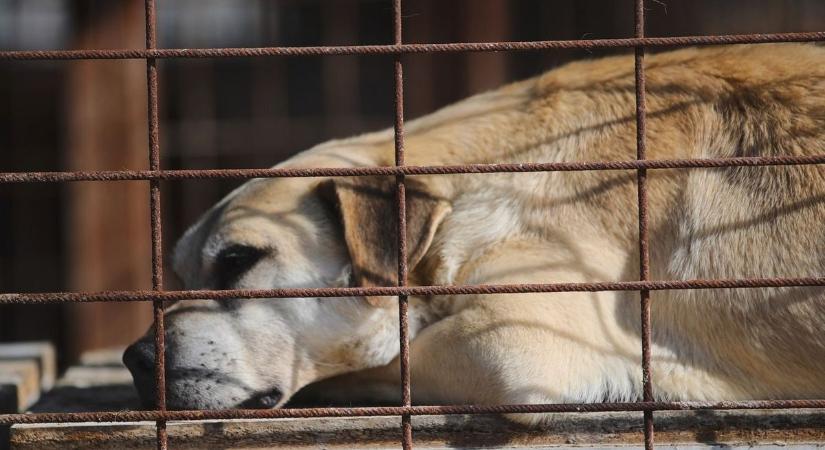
pixel 140 360
pixel 140 357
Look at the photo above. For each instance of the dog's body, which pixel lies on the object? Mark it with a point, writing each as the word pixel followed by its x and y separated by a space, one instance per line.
pixel 533 228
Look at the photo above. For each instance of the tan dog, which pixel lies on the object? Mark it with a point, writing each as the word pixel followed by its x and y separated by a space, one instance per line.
pixel 530 228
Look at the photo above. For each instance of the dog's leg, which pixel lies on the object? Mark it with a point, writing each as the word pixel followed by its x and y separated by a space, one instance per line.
pixel 531 348
pixel 372 387
pixel 538 349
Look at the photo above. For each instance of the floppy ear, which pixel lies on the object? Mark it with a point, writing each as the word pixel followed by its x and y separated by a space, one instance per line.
pixel 368 212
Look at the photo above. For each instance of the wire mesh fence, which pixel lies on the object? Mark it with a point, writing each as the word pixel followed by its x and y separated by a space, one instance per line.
pixel 151 54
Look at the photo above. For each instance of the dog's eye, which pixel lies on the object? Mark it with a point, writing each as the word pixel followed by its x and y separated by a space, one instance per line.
pixel 234 261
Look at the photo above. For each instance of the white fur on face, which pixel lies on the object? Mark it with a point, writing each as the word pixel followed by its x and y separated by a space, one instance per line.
pixel 222 353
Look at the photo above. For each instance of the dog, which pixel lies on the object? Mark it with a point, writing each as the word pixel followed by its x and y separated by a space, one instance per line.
pixel 545 227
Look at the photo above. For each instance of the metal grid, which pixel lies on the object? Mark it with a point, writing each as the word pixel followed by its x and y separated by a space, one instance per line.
pixel 641 165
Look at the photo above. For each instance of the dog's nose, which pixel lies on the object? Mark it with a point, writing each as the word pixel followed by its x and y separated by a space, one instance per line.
pixel 140 360
pixel 140 357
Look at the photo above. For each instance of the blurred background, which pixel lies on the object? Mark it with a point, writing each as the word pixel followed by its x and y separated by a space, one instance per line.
pixel 232 113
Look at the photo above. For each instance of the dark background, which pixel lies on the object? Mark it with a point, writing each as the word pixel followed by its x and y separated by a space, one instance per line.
pixel 222 113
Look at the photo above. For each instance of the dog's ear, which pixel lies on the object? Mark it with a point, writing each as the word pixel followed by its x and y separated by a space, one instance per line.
pixel 368 214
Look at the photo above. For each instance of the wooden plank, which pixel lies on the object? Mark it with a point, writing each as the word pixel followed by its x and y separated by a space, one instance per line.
pixel 42 353
pixel 486 21
pixel 20 383
pixel 340 73
pixel 26 368
pixel 420 70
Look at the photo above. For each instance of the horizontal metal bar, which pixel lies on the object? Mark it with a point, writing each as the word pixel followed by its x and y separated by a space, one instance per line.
pixel 138 175
pixel 395 49
pixel 482 289
pixel 138 416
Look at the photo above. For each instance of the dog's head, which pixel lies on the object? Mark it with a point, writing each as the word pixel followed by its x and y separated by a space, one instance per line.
pixel 285 233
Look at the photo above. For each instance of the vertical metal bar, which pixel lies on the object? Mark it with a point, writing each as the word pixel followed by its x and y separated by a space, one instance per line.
pixel 644 253
pixel 403 301
pixel 155 220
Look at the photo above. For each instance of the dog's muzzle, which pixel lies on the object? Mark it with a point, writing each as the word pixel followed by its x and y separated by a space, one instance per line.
pixel 140 360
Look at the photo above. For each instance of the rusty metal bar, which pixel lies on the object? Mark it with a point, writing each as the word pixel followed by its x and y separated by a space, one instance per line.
pixel 403 300
pixel 481 289
pixel 396 49
pixel 153 415
pixel 200 174
pixel 644 238
pixel 155 221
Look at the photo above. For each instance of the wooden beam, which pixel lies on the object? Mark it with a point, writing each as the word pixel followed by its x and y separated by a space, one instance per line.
pixel 108 223
pixel 484 21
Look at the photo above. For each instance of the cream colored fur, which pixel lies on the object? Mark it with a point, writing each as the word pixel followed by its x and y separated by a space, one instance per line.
pixel 545 228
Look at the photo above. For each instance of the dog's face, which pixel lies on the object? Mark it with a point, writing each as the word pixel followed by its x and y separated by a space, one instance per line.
pixel 282 233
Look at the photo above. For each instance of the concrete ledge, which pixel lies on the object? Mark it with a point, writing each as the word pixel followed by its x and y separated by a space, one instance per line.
pixel 682 429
